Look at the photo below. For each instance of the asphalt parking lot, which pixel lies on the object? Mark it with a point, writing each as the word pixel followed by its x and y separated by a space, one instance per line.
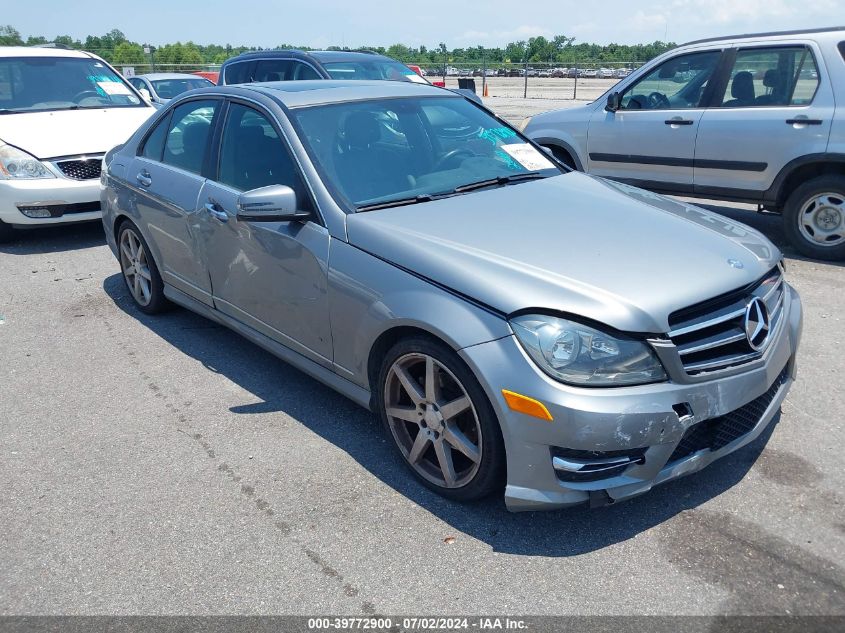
pixel 163 465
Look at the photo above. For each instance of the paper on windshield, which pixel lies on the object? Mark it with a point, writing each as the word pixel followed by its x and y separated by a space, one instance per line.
pixel 528 156
pixel 113 88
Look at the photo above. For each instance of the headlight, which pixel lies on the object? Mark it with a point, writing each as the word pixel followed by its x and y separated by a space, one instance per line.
pixel 524 123
pixel 579 355
pixel 16 164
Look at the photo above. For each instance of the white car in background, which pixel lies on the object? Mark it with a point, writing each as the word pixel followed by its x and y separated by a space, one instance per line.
pixel 60 112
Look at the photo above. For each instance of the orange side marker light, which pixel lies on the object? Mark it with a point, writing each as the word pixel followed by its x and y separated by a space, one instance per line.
pixel 529 406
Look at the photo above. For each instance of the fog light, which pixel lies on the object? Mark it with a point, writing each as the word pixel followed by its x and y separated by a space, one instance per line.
pixel 36 212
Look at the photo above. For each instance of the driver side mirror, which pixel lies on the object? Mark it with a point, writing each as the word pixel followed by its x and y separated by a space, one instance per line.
pixel 274 203
pixel 614 100
pixel 145 93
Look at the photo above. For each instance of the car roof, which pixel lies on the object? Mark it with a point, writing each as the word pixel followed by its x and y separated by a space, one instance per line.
pixel 320 56
pixel 157 76
pixel 748 36
pixel 37 51
pixel 295 94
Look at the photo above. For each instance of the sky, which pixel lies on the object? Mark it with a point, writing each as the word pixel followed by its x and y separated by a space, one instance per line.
pixel 321 23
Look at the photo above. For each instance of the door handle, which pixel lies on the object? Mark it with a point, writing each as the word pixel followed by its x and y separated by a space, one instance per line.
pixel 803 121
pixel 678 121
pixel 143 178
pixel 215 211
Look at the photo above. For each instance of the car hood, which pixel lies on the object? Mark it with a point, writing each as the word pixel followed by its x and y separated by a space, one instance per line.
pixel 572 243
pixel 70 132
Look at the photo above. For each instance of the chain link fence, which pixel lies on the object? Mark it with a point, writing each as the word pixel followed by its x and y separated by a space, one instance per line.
pixel 582 81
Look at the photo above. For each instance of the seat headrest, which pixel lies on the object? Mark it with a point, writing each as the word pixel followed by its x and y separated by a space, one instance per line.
pixel 742 87
pixel 362 129
pixel 773 78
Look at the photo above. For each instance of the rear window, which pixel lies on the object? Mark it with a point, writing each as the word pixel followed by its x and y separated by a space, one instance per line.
pixel 842 49
pixel 370 70
pixel 238 73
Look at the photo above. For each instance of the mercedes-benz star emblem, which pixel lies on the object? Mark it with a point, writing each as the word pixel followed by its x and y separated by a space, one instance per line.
pixel 756 324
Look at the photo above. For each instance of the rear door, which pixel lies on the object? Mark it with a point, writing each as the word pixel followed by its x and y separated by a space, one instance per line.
pixel 167 176
pixel 650 139
pixel 777 105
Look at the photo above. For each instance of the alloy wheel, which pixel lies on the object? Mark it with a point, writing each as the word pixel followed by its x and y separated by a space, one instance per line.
pixel 433 420
pixel 135 266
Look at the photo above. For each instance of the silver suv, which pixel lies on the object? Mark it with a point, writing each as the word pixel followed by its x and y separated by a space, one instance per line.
pixel 749 118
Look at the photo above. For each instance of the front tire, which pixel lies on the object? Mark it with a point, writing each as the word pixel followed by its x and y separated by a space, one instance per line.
pixel 7 233
pixel 140 271
pixel 814 218
pixel 440 420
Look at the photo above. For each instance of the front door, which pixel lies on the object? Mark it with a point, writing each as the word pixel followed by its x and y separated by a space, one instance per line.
pixel 271 276
pixel 167 177
pixel 650 139
pixel 777 106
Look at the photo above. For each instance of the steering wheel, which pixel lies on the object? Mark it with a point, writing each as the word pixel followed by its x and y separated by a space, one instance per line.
pixel 658 100
pixel 85 94
pixel 443 160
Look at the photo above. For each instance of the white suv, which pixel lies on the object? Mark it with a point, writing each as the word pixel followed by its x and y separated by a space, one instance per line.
pixel 750 118
pixel 60 112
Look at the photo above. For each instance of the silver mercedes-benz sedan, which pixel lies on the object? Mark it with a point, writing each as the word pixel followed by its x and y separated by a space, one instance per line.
pixel 514 325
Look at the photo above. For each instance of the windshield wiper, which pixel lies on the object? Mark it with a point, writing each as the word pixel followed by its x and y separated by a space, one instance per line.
pixel 498 180
pixel 398 202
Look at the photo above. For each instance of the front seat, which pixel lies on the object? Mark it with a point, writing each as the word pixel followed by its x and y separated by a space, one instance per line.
pixel 366 170
pixel 742 90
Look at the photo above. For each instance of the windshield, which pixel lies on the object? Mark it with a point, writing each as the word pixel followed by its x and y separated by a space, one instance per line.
pixel 61 83
pixel 374 69
pixel 395 149
pixel 170 88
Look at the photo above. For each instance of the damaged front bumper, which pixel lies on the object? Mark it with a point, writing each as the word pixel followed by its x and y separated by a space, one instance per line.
pixel 606 445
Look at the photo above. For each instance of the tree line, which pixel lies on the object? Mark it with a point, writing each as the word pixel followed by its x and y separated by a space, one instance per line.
pixel 115 48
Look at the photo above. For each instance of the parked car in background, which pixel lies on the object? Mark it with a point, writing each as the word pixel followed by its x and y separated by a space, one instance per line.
pixel 622 72
pixel 605 73
pixel 404 246
pixel 294 65
pixel 60 111
pixel 159 88
pixel 754 118
pixel 212 75
pixel 589 73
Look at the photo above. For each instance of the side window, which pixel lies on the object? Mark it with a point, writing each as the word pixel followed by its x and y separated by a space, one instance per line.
pixel 304 71
pixel 238 73
pixel 273 70
pixel 252 155
pixel 676 84
pixel 154 145
pixel 780 76
pixel 187 137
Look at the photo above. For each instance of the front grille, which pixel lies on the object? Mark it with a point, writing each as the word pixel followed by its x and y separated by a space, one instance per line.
pixel 81 168
pixel 711 336
pixel 717 433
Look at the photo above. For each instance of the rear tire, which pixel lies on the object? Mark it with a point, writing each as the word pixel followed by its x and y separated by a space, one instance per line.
pixel 7 233
pixel 140 271
pixel 439 418
pixel 814 218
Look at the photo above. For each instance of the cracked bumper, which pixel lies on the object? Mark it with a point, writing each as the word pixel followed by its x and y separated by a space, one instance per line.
pixel 621 419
